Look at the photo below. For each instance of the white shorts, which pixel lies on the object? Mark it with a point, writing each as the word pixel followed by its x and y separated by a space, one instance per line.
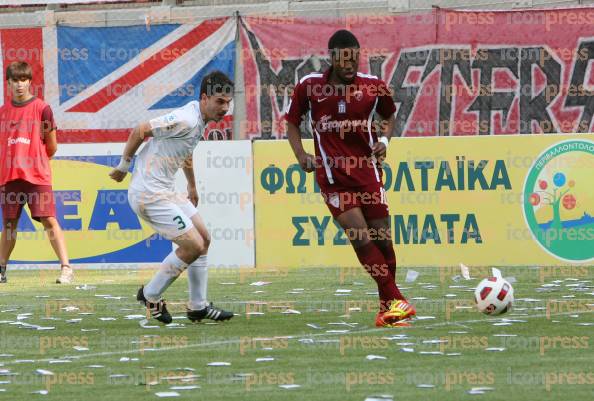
pixel 169 217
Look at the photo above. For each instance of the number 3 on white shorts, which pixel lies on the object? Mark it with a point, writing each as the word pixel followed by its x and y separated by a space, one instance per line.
pixel 180 221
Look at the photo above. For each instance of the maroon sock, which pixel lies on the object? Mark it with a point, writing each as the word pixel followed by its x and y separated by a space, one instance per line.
pixel 374 262
pixel 390 258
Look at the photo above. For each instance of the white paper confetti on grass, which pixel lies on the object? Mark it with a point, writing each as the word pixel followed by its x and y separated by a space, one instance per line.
pixel 289 386
pixel 375 357
pixel 425 386
pixel 167 394
pixel 431 353
pixel 495 349
pixel 80 348
pixel 483 388
pixel 145 324
pixel 254 313
pixel 405 349
pixel 475 392
pixel 265 359
pixel 218 364
pixel 411 276
pixel 291 312
pixel 184 387
pixel 85 287
pixel 186 369
pixel 425 317
pixel 107 319
pixel 381 397
pixel 465 271
pixel 41 392
pixel 134 317
pixel 435 341
pixel 343 324
pixel 396 337
pixel 260 283
pixel 95 366
pixel 44 372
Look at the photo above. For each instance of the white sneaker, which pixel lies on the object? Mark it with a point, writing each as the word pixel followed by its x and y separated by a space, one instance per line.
pixel 66 275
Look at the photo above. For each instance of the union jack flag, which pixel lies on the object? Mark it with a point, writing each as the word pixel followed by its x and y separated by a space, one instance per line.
pixel 102 81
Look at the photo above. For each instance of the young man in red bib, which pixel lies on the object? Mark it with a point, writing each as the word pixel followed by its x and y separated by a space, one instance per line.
pixel 341 104
pixel 27 142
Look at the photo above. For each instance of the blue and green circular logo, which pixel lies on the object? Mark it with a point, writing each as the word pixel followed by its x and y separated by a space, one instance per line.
pixel 559 200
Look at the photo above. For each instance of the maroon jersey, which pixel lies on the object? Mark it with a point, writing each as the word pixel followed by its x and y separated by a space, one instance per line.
pixel 341 119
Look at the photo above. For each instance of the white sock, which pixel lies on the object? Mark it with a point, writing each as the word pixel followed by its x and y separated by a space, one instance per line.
pixel 198 283
pixel 170 269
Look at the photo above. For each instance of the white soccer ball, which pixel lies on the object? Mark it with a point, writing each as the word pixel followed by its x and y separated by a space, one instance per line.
pixel 494 296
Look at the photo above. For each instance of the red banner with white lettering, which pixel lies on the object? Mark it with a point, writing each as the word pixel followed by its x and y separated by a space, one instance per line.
pixel 451 72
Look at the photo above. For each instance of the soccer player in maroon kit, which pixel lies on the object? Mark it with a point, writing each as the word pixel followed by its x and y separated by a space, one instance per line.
pixel 341 103
pixel 27 142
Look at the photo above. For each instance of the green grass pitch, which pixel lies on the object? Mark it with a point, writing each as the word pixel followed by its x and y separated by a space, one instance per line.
pixel 297 329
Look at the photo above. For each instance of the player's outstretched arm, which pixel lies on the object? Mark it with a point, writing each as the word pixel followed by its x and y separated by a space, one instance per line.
pixel 306 160
pixel 134 141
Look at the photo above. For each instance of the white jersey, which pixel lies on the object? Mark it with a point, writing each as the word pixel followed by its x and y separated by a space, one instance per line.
pixel 175 135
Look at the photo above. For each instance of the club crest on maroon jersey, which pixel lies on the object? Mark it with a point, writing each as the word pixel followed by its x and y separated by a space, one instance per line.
pixel 341 107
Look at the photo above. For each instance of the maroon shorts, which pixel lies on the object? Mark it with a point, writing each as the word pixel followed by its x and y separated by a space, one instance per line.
pixel 14 195
pixel 370 198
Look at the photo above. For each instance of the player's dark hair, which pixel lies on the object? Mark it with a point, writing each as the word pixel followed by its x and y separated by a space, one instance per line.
pixel 18 70
pixel 216 83
pixel 342 39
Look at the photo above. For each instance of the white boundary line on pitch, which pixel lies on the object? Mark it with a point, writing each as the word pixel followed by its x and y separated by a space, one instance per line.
pixel 296 337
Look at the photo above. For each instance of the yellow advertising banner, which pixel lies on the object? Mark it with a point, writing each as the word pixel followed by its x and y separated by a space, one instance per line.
pixel 509 200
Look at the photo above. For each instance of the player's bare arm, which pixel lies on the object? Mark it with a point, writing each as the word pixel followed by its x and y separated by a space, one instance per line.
pixel 51 143
pixel 306 160
pixel 134 141
pixel 189 173
pixel 380 147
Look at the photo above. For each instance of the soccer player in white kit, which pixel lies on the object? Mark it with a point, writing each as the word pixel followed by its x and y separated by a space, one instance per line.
pixel 174 216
